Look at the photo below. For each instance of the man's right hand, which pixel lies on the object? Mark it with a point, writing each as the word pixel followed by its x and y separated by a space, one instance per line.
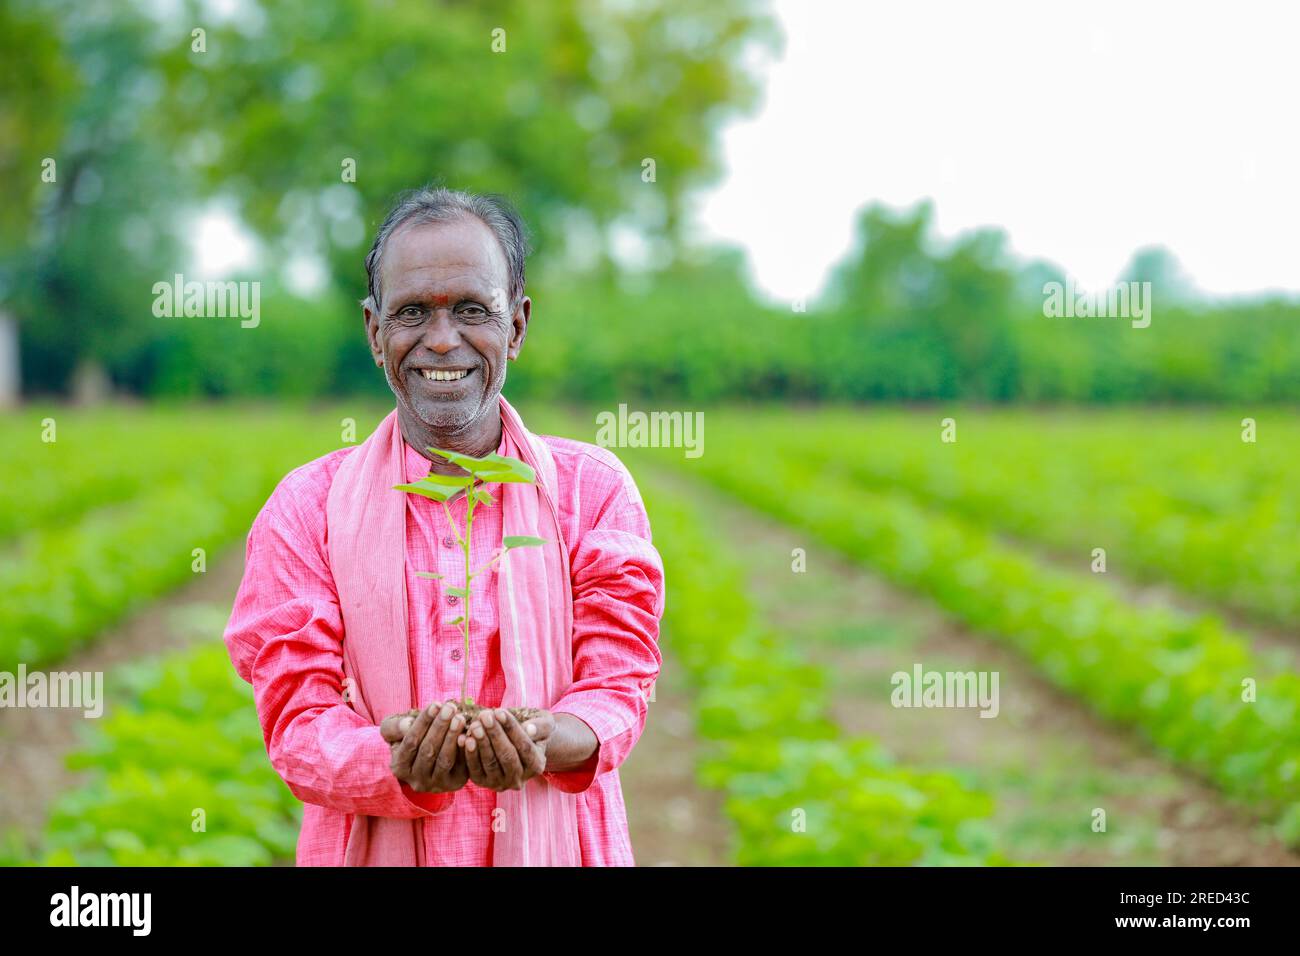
pixel 425 755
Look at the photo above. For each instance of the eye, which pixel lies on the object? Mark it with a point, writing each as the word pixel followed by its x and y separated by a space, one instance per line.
pixel 410 311
pixel 473 311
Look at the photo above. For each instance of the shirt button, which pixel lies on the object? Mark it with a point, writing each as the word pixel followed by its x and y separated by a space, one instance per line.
pixel 448 541
pixel 453 600
pixel 455 654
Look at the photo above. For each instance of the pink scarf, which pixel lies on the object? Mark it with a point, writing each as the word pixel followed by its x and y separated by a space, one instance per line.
pixel 366 521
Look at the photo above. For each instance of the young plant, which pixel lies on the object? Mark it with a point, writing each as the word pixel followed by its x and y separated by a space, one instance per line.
pixel 442 488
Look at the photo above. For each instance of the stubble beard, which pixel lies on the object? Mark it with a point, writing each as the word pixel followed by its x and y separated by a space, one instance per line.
pixel 446 417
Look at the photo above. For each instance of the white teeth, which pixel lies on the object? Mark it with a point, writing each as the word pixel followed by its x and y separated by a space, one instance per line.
pixel 434 375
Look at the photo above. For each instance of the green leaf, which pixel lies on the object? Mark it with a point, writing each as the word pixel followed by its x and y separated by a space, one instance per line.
pixel 428 574
pixel 438 491
pixel 508 477
pixel 458 620
pixel 509 469
pixel 459 592
pixel 482 497
pixel 522 541
pixel 491 468
pixel 449 481
pixel 468 462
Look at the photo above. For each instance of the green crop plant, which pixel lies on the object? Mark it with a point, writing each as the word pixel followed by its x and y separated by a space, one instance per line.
pixel 490 469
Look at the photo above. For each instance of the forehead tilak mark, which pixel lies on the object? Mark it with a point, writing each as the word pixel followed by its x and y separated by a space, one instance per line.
pixel 439 300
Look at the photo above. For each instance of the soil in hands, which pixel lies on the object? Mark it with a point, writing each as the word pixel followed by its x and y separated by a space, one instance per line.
pixel 470 710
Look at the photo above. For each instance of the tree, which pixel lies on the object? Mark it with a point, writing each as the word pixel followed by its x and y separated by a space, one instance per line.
pixel 1169 283
pixel 307 116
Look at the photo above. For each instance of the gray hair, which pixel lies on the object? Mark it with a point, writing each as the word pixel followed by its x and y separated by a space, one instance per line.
pixel 439 204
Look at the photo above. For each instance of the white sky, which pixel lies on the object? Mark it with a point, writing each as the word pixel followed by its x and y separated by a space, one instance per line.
pixel 1085 130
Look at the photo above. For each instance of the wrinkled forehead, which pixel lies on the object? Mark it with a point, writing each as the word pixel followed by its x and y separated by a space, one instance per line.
pixel 461 255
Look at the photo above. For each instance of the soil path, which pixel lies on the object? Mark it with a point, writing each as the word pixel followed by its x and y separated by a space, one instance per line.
pixel 1048 761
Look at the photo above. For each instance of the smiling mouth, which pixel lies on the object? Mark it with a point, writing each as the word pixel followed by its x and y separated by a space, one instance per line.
pixel 444 375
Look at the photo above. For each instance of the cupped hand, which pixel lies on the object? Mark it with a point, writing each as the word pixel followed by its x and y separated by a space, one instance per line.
pixel 502 754
pixel 426 756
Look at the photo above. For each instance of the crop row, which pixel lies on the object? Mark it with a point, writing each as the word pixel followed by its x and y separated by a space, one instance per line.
pixel 798 791
pixel 1183 502
pixel 1190 685
pixel 61 464
pixel 178 775
pixel 66 580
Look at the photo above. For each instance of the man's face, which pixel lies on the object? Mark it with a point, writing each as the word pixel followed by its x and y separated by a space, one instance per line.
pixel 445 309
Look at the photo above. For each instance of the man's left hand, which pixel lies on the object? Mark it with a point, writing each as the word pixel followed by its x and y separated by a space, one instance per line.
pixel 500 752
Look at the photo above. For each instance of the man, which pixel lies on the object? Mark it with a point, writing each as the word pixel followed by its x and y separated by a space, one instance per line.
pixel 342 639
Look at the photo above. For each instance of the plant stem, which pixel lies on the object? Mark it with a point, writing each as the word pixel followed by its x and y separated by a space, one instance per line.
pixel 464 623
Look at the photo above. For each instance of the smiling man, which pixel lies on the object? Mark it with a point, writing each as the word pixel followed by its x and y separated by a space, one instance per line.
pixel 353 656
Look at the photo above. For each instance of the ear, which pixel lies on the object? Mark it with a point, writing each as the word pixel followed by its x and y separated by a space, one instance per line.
pixel 523 312
pixel 370 313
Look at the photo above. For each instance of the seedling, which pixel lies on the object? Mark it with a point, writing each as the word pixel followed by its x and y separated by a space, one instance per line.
pixel 442 488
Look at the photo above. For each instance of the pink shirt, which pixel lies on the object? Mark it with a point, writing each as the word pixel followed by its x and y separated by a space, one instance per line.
pixel 285 635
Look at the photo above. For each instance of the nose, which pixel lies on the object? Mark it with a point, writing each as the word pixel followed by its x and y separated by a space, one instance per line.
pixel 441 334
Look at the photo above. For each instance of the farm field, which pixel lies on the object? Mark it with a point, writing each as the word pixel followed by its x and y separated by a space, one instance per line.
pixel 103 511
pixel 1164 662
pixel 1119 691
pixel 1175 498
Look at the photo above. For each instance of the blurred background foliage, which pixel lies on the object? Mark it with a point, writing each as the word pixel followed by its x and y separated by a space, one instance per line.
pixel 149 133
pixel 265 120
